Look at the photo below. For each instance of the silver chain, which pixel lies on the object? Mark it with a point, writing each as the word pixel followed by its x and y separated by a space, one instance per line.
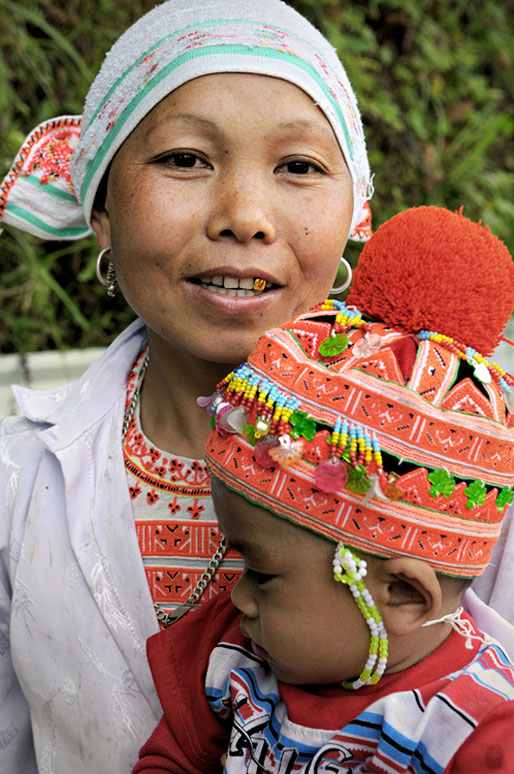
pixel 166 619
pixel 129 413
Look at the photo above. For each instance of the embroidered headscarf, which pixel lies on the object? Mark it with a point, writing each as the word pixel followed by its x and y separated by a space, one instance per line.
pixel 394 436
pixel 51 187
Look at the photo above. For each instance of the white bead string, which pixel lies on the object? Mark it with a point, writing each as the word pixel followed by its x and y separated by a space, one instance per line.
pixel 351 570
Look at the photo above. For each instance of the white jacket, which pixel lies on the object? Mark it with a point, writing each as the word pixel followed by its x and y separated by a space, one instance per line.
pixel 75 606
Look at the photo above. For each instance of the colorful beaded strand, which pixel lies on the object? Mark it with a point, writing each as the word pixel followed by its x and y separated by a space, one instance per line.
pixel 347 318
pixel 474 358
pixel 351 570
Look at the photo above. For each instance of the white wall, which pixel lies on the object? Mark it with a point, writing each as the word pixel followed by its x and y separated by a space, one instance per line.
pixel 43 371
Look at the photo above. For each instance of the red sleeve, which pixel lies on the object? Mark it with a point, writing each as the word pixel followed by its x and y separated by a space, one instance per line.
pixel 190 738
pixel 161 754
pixel 489 747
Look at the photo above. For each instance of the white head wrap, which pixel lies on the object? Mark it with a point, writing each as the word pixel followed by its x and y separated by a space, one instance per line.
pixel 50 189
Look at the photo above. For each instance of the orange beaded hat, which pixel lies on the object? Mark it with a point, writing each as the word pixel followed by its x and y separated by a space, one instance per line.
pixel 380 422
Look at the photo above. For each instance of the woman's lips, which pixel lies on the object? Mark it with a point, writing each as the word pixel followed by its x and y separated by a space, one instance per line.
pixel 239 287
pixel 246 283
pixel 233 300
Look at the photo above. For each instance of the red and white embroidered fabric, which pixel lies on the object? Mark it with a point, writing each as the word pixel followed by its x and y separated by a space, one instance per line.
pixel 37 194
pixel 426 421
pixel 176 524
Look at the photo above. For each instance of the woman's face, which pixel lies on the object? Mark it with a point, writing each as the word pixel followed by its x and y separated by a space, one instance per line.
pixel 230 178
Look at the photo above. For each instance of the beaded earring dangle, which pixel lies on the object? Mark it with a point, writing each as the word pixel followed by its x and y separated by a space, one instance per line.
pixel 110 280
pixel 351 570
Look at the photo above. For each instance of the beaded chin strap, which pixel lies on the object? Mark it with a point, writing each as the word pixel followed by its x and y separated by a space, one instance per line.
pixel 350 570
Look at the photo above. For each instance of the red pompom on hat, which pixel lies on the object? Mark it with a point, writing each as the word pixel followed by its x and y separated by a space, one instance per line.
pixel 449 275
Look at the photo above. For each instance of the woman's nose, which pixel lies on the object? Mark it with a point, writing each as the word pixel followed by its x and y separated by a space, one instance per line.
pixel 243 599
pixel 241 211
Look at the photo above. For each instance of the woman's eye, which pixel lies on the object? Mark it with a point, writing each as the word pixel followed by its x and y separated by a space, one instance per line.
pixel 182 159
pixel 300 167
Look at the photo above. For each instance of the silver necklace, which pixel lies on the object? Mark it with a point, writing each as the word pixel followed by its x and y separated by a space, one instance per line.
pixel 166 619
pixel 129 411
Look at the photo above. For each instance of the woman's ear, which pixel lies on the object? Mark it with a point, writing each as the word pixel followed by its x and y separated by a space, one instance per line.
pixel 101 226
pixel 409 594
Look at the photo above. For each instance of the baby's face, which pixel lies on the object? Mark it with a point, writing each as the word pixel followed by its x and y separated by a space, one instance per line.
pixel 299 619
pixel 231 178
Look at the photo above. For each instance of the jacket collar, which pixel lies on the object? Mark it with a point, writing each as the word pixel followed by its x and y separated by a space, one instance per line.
pixel 61 407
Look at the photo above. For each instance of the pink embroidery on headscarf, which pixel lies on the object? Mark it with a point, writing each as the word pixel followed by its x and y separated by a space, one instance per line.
pixel 53 160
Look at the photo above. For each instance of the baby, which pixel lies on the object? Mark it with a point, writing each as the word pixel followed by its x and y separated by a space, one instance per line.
pixel 362 462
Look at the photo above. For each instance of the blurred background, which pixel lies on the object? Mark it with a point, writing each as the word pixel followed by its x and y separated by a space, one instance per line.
pixel 435 85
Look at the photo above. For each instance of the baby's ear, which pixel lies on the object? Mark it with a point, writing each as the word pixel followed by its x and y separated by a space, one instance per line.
pixel 409 594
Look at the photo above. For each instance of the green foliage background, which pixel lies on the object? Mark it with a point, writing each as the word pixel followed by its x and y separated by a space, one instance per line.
pixel 435 86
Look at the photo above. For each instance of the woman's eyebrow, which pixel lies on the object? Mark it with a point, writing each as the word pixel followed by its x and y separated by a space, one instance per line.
pixel 297 123
pixel 302 124
pixel 184 117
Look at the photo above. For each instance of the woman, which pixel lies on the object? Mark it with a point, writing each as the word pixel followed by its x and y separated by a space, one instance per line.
pixel 221 163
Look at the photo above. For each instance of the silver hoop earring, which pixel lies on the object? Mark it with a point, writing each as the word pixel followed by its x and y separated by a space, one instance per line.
pixel 348 281
pixel 110 280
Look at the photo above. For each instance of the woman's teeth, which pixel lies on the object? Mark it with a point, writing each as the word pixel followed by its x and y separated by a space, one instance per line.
pixel 231 286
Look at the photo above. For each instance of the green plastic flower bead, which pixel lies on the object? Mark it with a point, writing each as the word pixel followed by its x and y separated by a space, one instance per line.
pixel 357 482
pixel 442 483
pixel 249 432
pixel 505 497
pixel 333 345
pixel 302 424
pixel 476 493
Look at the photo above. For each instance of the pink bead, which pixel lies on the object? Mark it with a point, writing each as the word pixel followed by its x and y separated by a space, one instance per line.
pixel 330 476
pixel 222 409
pixel 262 451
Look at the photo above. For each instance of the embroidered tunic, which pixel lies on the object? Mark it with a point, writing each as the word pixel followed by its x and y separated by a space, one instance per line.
pixel 175 520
